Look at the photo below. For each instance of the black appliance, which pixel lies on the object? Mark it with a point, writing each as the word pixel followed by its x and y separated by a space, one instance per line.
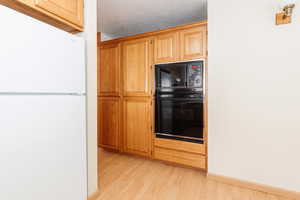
pixel 179 101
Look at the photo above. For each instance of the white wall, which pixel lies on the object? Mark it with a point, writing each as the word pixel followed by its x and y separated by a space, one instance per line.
pixel 254 98
pixel 90 34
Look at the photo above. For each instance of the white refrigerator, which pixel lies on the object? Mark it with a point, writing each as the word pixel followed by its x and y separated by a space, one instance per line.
pixel 42 111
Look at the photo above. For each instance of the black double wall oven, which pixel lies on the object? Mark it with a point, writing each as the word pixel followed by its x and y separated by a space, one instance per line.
pixel 179 101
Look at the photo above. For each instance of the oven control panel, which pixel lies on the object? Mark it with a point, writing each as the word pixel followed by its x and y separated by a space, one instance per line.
pixel 195 75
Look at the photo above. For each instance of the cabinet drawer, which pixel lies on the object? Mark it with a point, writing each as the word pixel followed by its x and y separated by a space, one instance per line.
pixel 180 157
pixel 180 145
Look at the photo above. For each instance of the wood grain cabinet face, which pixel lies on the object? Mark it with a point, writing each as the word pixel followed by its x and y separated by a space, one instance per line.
pixel 136 55
pixel 193 43
pixel 137 126
pixel 166 48
pixel 63 14
pixel 109 115
pixel 109 71
pixel 70 10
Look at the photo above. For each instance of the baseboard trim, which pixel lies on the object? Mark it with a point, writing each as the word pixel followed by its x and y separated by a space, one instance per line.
pixel 255 186
pixel 94 196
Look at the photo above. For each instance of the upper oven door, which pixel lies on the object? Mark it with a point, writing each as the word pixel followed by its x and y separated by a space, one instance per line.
pixel 183 77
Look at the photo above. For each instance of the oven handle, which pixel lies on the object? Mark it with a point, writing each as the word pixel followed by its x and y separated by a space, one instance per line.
pixel 181 99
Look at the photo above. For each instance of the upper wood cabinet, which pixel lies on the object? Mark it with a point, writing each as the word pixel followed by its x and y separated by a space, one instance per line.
pixel 109 71
pixel 193 43
pixel 187 43
pixel 166 47
pixel 137 61
pixel 137 125
pixel 70 10
pixel 109 115
pixel 63 14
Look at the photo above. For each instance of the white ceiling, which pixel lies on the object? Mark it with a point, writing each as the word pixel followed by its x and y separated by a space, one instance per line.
pixel 118 18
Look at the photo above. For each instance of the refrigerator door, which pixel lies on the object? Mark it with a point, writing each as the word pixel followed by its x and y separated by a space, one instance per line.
pixel 38 58
pixel 43 147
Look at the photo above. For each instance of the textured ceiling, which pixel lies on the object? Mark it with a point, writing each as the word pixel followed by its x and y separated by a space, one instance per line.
pixel 117 18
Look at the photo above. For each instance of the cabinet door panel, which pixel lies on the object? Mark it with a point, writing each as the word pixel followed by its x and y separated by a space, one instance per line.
pixel 109 71
pixel 71 10
pixel 137 125
pixel 193 43
pixel 136 65
pixel 166 48
pixel 109 115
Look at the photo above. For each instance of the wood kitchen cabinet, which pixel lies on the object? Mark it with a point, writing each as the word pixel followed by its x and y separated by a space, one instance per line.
pixel 136 64
pixel 188 43
pixel 166 47
pixel 181 152
pixel 137 125
pixel 126 89
pixel 64 14
pixel 70 10
pixel 193 43
pixel 109 121
pixel 109 71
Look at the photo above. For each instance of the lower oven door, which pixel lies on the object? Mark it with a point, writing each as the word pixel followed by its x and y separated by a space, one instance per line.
pixel 179 118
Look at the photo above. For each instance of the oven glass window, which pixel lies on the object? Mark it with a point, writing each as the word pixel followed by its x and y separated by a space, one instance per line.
pixel 171 76
pixel 180 117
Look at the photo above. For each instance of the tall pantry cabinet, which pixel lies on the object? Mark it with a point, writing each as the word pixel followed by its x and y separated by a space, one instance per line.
pixel 137 90
pixel 109 96
pixel 124 92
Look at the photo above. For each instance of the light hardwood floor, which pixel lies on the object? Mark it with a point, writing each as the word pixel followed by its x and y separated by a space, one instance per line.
pixel 124 177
